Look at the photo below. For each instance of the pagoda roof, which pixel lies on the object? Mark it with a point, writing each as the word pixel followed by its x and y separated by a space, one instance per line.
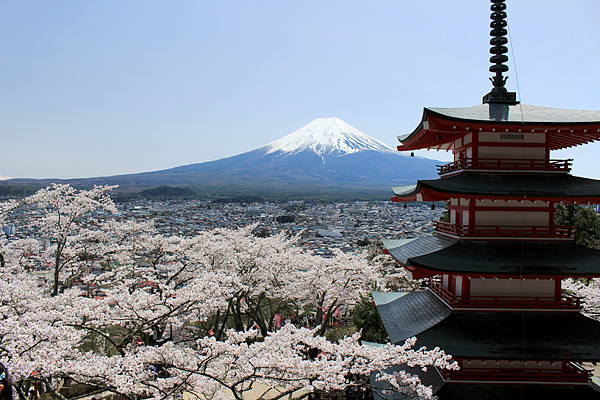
pixel 516 336
pixel 493 335
pixel 418 311
pixel 511 258
pixel 565 128
pixel 487 391
pixel 519 113
pixel 482 391
pixel 508 186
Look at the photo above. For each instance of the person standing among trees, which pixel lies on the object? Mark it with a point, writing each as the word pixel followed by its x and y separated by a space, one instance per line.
pixel 6 392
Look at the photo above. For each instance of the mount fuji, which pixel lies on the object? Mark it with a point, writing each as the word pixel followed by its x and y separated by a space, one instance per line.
pixel 327 137
pixel 325 158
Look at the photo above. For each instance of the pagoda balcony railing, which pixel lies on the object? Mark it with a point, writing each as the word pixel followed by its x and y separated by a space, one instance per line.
pixel 570 373
pixel 511 302
pixel 544 232
pixel 506 165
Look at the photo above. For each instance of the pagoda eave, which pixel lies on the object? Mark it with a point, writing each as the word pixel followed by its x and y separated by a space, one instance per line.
pixel 434 324
pixel 481 391
pixel 557 188
pixel 460 335
pixel 433 255
pixel 419 273
pixel 421 195
pixel 428 195
pixel 439 128
pixel 424 272
pixel 491 390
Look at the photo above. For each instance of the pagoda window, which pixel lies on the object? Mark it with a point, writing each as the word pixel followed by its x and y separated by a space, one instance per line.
pixel 453 219
pixel 446 282
pixel 465 218
pixel 458 286
pixel 458 143
pixel 468 138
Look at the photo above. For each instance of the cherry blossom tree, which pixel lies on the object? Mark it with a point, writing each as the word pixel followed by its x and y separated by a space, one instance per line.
pixel 5 209
pixel 35 336
pixel 62 212
pixel 291 360
pixel 148 334
pixel 261 270
pixel 589 291
pixel 326 284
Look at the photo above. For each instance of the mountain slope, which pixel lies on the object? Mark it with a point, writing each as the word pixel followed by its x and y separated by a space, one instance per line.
pixel 326 156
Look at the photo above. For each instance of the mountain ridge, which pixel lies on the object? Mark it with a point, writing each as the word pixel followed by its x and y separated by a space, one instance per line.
pixel 325 157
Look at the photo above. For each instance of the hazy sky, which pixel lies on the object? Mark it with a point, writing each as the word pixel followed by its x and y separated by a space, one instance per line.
pixel 95 88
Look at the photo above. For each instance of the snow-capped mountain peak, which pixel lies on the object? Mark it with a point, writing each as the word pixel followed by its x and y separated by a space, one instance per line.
pixel 328 135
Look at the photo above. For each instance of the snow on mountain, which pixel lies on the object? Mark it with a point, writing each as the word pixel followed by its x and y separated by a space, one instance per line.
pixel 325 136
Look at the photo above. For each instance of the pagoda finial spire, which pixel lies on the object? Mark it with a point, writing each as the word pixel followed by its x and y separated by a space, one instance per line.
pixel 499 94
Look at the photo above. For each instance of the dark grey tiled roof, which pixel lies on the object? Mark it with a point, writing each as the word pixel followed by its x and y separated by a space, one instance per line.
pixel 519 113
pixel 412 314
pixel 381 298
pixel 482 391
pixel 420 247
pixel 391 243
pixel 473 391
pixel 543 185
pixel 527 258
pixel 405 190
pixel 515 336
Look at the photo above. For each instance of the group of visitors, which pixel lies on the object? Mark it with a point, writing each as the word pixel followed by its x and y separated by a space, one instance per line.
pixel 6 391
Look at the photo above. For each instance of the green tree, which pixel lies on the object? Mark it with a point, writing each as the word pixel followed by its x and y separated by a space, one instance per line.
pixel 366 317
pixel 586 221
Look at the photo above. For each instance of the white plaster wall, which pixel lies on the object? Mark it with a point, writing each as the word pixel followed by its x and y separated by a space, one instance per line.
pixel 512 153
pixel 457 143
pixel 529 137
pixel 459 280
pixel 511 218
pixel 512 287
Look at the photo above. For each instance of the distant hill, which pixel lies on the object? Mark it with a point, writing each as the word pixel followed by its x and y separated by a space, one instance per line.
pixel 325 159
pixel 168 192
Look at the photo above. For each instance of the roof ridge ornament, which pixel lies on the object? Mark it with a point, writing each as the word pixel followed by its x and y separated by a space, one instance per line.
pixel 499 94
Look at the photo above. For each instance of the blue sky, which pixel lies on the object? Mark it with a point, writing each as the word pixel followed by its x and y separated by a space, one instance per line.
pixel 113 87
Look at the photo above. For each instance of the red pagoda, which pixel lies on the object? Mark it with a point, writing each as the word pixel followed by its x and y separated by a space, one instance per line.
pixel 494 299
